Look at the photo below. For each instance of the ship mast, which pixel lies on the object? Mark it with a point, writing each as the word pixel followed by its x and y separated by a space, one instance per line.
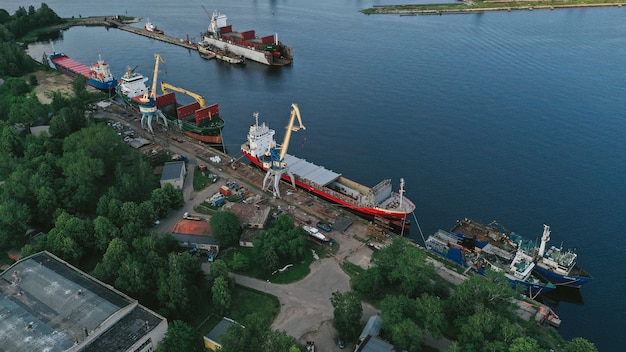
pixel 401 191
pixel 545 238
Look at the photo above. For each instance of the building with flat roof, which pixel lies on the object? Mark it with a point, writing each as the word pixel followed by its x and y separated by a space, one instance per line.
pixel 174 173
pixel 250 215
pixel 48 305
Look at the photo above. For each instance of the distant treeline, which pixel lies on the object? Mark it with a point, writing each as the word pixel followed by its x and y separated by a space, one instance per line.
pixel 13 60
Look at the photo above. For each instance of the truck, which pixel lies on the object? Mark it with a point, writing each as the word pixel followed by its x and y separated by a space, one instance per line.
pixel 188 216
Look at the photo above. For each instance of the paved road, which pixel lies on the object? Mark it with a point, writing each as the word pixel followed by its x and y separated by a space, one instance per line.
pixel 306 312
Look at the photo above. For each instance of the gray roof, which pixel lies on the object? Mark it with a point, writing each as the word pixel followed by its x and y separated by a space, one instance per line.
pixel 372 328
pixel 374 344
pixel 220 329
pixel 45 304
pixel 171 170
pixel 309 171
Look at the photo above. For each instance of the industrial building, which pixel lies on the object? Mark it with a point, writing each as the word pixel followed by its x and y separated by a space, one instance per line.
pixel 174 173
pixel 48 305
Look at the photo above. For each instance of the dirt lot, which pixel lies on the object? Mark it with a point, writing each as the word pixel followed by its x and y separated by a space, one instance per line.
pixel 50 82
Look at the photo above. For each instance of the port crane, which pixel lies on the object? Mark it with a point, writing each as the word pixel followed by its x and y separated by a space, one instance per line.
pixel 274 161
pixel 200 99
pixel 148 106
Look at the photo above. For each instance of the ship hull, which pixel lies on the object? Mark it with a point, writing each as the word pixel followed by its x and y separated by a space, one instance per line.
pixel 369 212
pixel 72 68
pixel 563 280
pixel 209 139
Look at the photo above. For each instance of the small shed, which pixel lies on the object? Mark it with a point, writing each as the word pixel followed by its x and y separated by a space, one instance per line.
pixel 174 173
pixel 212 341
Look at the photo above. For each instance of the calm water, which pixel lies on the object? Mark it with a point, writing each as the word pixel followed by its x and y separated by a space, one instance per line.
pixel 517 116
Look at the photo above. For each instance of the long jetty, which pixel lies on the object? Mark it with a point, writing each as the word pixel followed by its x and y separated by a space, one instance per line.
pixel 123 24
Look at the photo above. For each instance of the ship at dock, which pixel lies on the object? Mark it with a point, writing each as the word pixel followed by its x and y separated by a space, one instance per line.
pixel 478 256
pixel 196 120
pixel 553 264
pixel 369 202
pixel 265 50
pixel 98 75
pixel 151 27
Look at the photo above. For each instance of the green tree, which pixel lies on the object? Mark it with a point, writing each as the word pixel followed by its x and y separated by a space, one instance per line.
pixel 226 228
pixel 525 344
pixel 104 232
pixel 240 262
pixel 116 253
pixel 429 313
pixel 177 288
pixel 282 244
pixel 71 237
pixel 247 338
pixel 221 296
pixel 181 337
pixel 347 314
pixel 11 142
pixel 406 335
pixel 580 344
pixel 279 341
pixel 14 220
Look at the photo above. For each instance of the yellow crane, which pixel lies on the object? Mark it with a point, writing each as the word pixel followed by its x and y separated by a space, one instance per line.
pixel 148 105
pixel 199 98
pixel 275 162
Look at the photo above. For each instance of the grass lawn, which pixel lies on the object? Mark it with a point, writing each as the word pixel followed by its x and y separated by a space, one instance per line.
pixel 201 180
pixel 294 273
pixel 245 301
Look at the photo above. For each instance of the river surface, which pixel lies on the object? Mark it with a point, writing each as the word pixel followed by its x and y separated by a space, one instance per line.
pixel 509 116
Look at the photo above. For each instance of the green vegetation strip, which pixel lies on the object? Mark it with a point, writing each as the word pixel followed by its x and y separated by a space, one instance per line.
pixel 481 6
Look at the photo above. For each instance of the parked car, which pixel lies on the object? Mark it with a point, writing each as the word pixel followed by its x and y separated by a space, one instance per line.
pixel 340 343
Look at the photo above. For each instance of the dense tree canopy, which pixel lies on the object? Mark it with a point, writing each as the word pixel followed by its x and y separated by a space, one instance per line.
pixel 282 244
pixel 181 337
pixel 226 228
pixel 347 314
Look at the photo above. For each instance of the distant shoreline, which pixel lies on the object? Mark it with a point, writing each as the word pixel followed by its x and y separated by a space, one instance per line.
pixel 469 7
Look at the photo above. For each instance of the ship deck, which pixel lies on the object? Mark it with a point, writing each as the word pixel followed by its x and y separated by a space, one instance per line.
pixel 308 171
pixel 73 65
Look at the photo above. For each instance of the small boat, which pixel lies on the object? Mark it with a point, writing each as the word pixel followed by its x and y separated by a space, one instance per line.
pixel 224 54
pixel 151 27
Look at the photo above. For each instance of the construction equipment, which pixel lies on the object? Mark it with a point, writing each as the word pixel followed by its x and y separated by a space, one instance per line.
pixel 197 97
pixel 148 105
pixel 274 161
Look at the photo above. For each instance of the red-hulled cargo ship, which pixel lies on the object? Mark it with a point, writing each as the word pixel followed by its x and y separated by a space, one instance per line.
pixel 377 201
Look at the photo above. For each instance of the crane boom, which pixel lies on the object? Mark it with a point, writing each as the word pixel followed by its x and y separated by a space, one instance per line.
pixel 277 166
pixel 197 97
pixel 295 112
pixel 152 92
